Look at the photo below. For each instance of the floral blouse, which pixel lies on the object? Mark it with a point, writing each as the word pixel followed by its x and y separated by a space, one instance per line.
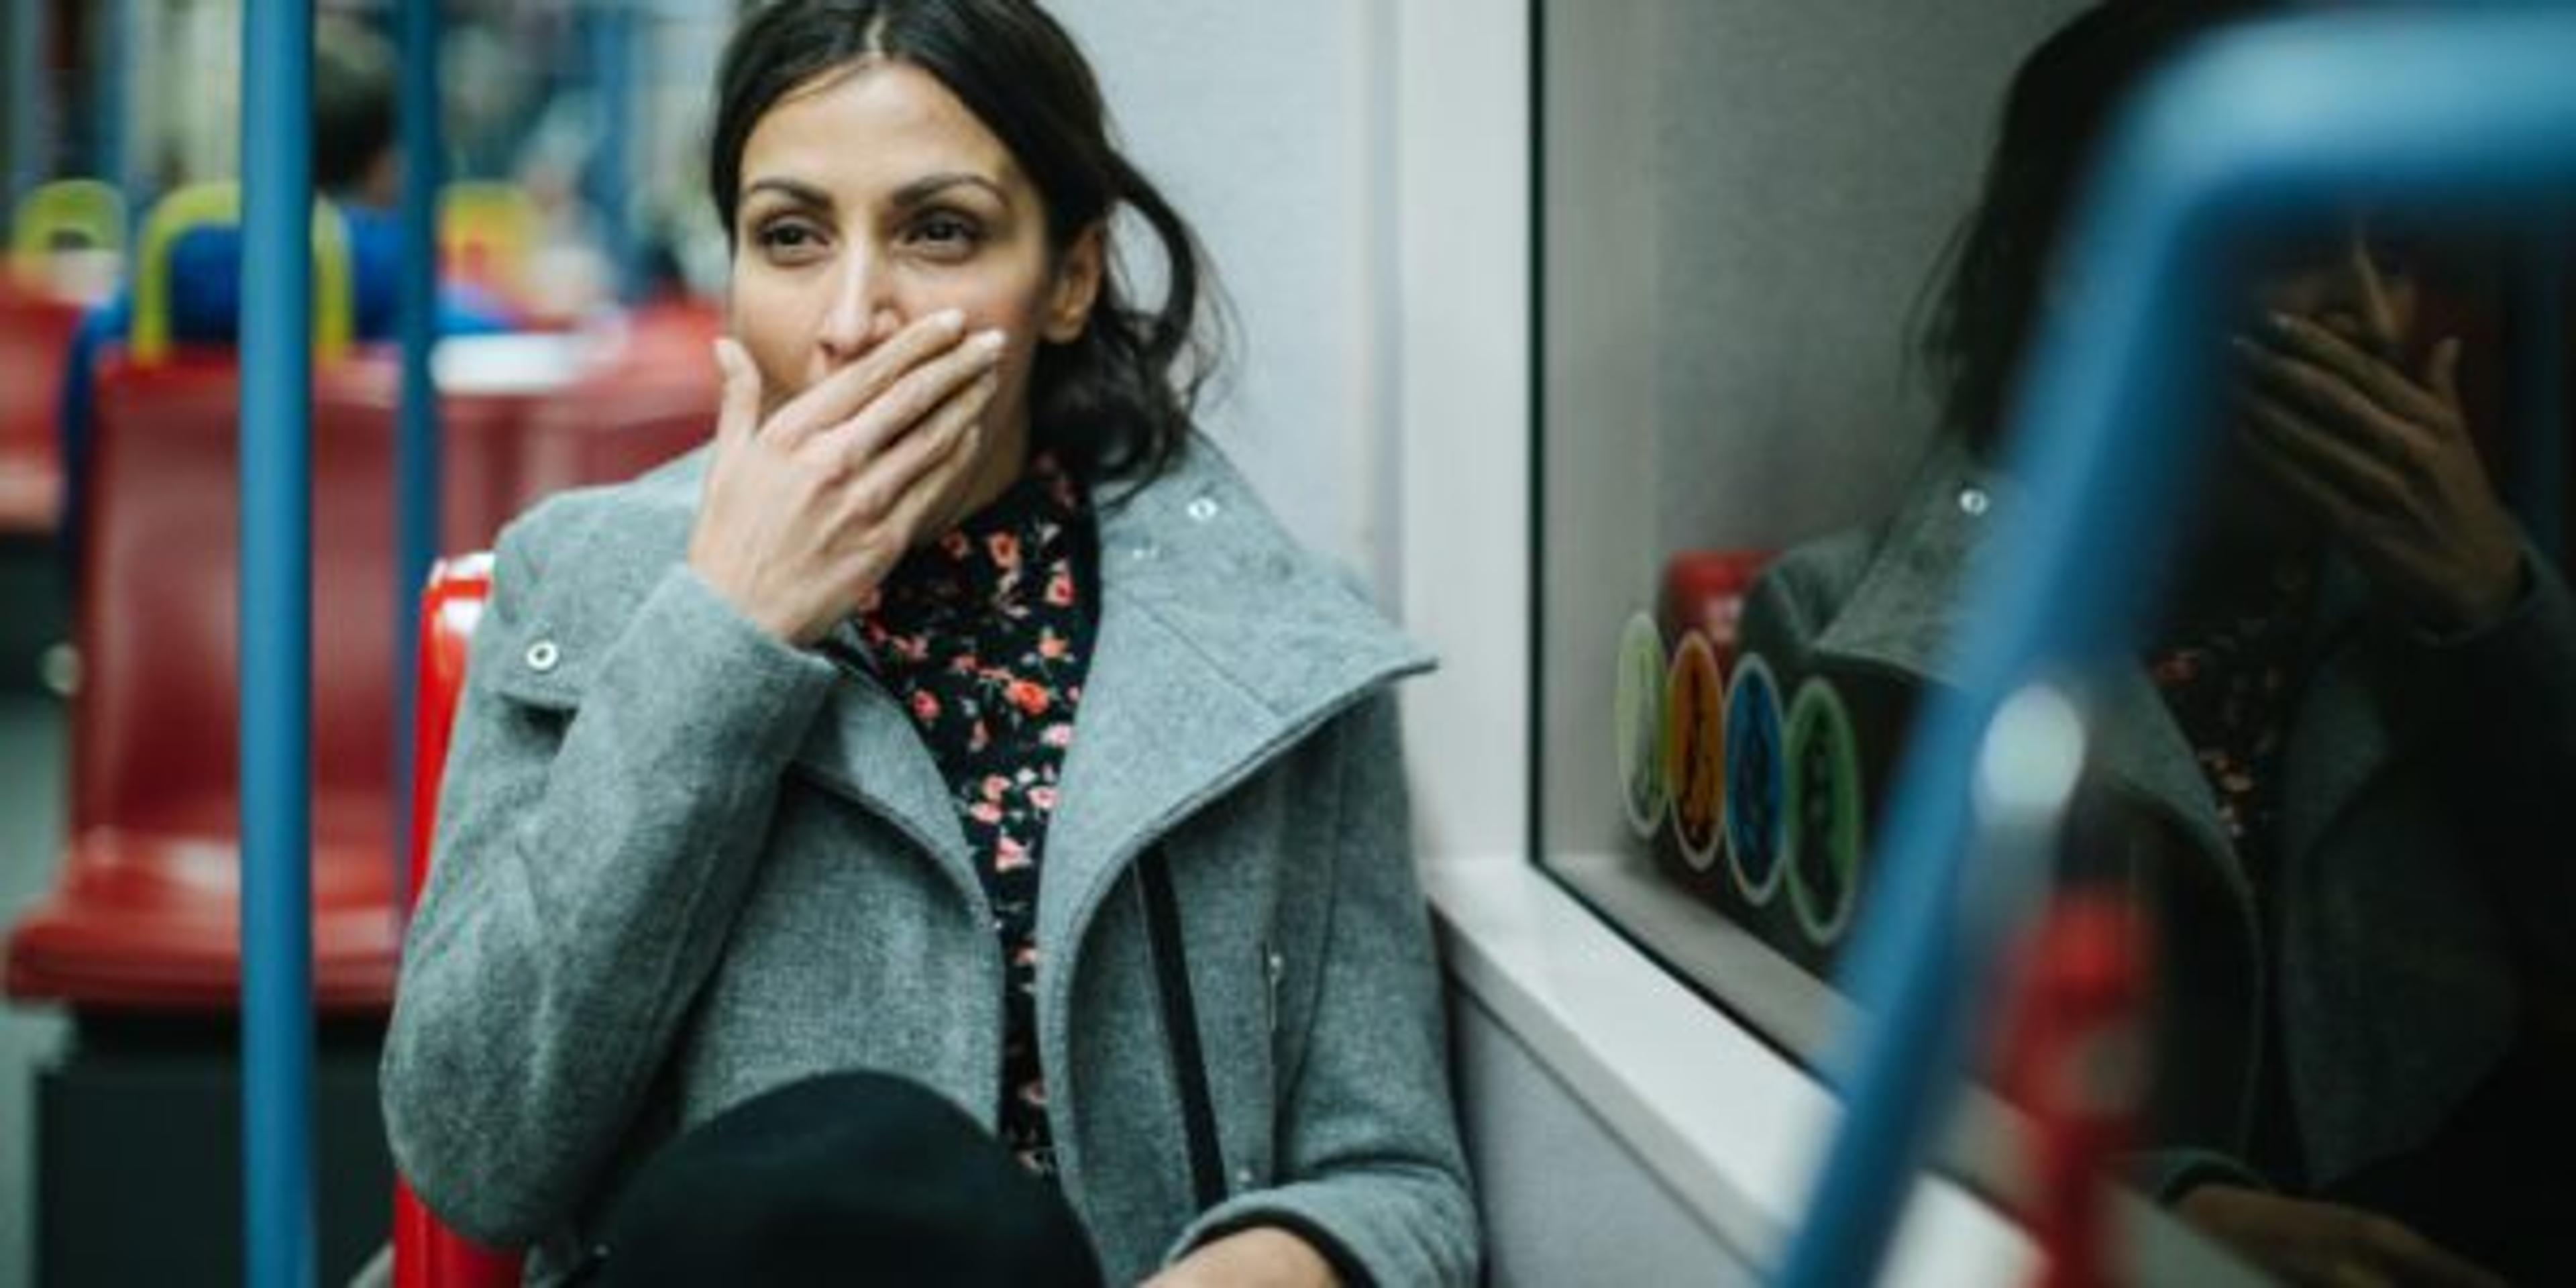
pixel 985 636
pixel 2231 678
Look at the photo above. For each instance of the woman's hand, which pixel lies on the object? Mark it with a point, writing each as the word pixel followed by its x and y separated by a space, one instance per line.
pixel 1262 1256
pixel 2305 1242
pixel 806 513
pixel 2384 460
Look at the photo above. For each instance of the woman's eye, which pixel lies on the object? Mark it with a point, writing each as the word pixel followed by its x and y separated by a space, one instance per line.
pixel 945 232
pixel 787 238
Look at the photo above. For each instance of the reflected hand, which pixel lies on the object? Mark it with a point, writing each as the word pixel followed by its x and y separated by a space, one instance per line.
pixel 1258 1257
pixel 2306 1242
pixel 805 513
pixel 2384 460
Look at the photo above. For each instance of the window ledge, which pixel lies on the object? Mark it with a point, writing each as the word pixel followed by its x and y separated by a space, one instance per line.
pixel 1728 1124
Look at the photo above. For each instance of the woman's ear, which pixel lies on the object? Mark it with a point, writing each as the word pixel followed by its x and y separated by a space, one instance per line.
pixel 1077 284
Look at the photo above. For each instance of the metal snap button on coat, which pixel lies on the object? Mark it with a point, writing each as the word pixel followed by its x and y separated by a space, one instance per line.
pixel 1142 551
pixel 1203 509
pixel 543 655
pixel 1973 501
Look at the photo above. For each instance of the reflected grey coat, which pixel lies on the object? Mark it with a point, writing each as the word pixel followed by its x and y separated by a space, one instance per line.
pixel 2427 879
pixel 679 863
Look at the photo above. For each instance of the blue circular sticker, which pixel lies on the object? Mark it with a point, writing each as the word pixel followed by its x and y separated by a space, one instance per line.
pixel 1756 819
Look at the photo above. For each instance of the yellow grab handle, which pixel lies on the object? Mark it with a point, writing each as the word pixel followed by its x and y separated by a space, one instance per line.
pixel 86 208
pixel 496 219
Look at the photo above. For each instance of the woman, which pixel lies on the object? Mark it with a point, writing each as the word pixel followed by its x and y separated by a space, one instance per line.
pixel 955 714
pixel 2338 771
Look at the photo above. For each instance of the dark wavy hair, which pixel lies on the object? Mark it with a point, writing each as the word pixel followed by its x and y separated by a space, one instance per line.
pixel 1992 278
pixel 1116 402
pixel 354 72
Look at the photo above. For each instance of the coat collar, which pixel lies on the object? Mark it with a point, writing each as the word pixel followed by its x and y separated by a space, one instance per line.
pixel 1221 642
pixel 1906 610
pixel 1904 617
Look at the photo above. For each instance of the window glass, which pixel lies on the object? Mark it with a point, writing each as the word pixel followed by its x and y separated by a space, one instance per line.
pixel 1790 257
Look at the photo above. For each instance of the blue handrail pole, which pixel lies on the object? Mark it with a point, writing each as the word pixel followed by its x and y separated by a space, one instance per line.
pixel 2537 362
pixel 112 94
pixel 276 641
pixel 30 89
pixel 612 55
pixel 417 451
pixel 2263 124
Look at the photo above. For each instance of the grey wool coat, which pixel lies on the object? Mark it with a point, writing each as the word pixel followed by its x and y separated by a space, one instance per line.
pixel 2425 879
pixel 679 863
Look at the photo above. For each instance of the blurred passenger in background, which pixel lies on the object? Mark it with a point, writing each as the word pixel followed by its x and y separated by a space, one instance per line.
pixel 2339 774
pixel 358 169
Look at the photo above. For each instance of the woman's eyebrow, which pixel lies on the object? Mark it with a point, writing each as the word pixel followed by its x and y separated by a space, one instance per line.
pixel 803 194
pixel 929 186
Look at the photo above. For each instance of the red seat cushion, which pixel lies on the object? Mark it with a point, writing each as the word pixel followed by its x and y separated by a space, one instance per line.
pixel 151 921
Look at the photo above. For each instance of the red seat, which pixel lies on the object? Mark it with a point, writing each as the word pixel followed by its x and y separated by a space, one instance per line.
pixel 35 332
pixel 653 401
pixel 480 442
pixel 145 914
pixel 1704 591
pixel 426 1253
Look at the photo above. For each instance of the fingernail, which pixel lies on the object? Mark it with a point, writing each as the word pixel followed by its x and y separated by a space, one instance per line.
pixel 988 342
pixel 949 319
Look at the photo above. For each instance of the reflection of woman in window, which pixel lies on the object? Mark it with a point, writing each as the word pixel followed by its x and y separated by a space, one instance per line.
pixel 957 715
pixel 2342 770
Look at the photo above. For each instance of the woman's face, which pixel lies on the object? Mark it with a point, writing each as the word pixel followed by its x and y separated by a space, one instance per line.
pixel 872 196
pixel 2358 286
pixel 2362 289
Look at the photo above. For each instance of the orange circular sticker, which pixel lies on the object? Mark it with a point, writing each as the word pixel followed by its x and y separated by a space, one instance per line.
pixel 1695 748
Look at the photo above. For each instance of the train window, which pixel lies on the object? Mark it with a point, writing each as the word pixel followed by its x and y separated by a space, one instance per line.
pixel 1789 257
pixel 1735 237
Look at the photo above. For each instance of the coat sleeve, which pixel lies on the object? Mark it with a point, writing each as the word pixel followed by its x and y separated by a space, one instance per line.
pixel 2503 705
pixel 1373 1174
pixel 589 859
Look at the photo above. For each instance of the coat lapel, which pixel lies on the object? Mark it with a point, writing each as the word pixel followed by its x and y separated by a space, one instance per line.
pixel 1221 643
pixel 865 748
pixel 2343 735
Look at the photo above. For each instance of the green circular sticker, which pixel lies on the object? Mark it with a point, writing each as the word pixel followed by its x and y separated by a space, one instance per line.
pixel 1637 724
pixel 1824 812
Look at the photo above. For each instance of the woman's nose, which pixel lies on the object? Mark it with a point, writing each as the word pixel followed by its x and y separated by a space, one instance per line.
pixel 860 313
